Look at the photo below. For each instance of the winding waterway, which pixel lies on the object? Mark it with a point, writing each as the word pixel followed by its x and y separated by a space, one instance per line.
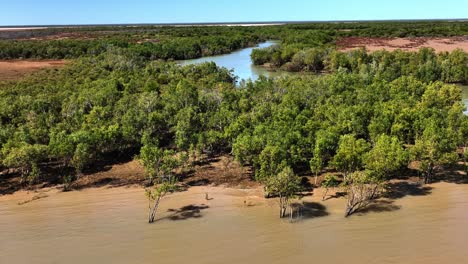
pixel 239 61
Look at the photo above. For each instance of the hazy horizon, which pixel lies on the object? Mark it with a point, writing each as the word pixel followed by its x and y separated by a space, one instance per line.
pixel 231 23
pixel 87 12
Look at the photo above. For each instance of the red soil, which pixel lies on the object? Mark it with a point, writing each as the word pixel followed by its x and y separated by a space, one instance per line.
pixel 406 44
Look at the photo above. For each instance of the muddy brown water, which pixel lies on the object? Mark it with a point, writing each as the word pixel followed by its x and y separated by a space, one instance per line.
pixel 109 226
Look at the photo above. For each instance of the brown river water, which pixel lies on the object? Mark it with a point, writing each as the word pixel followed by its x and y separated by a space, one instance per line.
pixel 109 226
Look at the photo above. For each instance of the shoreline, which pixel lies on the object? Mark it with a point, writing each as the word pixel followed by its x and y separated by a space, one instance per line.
pixel 224 198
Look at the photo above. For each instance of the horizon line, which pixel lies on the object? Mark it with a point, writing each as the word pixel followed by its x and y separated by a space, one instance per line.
pixel 286 22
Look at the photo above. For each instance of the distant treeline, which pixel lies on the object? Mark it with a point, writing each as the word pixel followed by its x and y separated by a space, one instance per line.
pixel 170 49
pixel 161 42
pixel 391 28
pixel 424 64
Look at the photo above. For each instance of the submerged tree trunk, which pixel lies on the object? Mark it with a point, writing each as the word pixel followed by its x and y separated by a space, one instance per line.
pixel 153 209
pixel 283 206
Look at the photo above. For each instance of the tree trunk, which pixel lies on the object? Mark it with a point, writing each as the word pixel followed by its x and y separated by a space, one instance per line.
pixel 464 159
pixel 152 211
pixel 374 192
pixel 151 181
pixel 428 174
pixel 283 201
pixel 325 194
pixel 290 214
pixel 281 207
pixel 316 176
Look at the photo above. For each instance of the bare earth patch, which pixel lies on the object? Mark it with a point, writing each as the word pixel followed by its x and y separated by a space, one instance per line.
pixel 115 175
pixel 14 69
pixel 220 171
pixel 211 171
pixel 407 44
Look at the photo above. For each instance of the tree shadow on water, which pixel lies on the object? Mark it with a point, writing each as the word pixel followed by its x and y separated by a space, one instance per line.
pixel 378 206
pixel 186 212
pixel 335 196
pixel 308 210
pixel 398 190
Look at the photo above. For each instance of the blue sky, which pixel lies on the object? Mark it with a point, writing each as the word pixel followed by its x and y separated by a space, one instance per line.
pixel 48 12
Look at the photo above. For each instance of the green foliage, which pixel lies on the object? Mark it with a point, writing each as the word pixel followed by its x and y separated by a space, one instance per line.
pixel 325 145
pixel 26 158
pixel 163 187
pixel 386 157
pixel 271 162
pixel 158 163
pixel 67 182
pixel 262 56
pixel 330 181
pixel 425 64
pixel 285 184
pixel 157 43
pixel 349 156
pixel 124 96
pixel 81 157
pixel 61 145
pixel 434 148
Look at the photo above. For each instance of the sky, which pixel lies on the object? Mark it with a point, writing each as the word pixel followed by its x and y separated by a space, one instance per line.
pixel 64 12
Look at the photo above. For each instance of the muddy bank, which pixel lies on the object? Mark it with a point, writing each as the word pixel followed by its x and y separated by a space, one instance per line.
pixel 407 44
pixel 118 172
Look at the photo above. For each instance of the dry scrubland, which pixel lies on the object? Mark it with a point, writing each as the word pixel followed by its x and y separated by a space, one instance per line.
pixel 14 69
